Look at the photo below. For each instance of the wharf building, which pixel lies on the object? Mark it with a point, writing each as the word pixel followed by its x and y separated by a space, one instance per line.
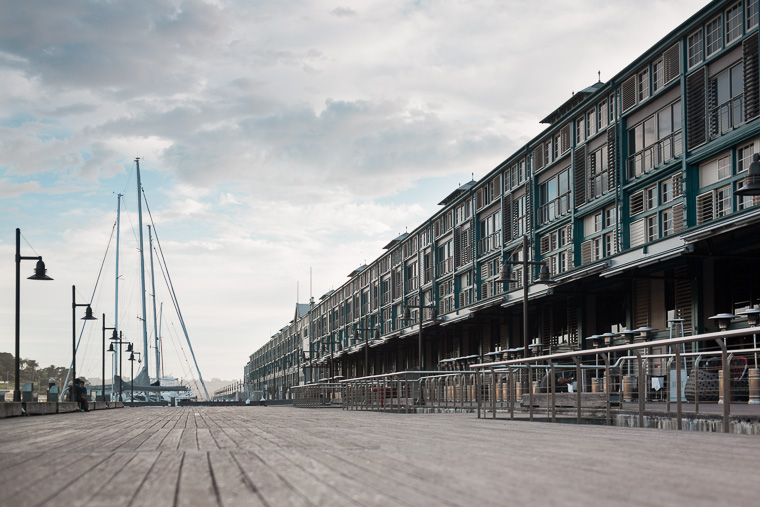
pixel 630 197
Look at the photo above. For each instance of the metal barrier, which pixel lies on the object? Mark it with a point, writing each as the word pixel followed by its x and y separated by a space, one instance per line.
pixel 634 383
pixel 318 395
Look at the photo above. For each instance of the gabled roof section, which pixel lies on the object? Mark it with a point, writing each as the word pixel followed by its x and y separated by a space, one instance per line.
pixel 573 101
pixel 301 310
pixel 456 193
pixel 357 270
pixel 327 294
pixel 396 241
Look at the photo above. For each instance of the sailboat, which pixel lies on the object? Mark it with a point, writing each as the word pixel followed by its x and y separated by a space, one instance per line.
pixel 143 387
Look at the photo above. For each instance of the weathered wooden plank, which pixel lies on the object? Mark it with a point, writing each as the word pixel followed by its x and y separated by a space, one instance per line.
pixel 83 486
pixel 196 481
pixel 274 488
pixel 233 486
pixel 125 484
pixel 160 485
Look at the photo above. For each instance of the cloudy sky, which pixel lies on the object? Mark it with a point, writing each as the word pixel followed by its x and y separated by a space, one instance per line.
pixel 274 137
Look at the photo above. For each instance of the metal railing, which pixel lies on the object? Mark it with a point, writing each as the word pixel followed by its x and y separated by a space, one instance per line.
pixel 322 395
pixel 554 208
pixel 727 116
pixel 648 379
pixel 489 243
pixel 663 151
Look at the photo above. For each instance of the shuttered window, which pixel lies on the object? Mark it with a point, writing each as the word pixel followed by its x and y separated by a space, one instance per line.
pixel 696 108
pixel 751 77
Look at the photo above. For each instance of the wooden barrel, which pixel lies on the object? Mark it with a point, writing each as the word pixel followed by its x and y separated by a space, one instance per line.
pixel 720 387
pixel 596 385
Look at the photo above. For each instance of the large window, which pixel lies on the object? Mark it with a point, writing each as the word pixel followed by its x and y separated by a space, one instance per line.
pixel 655 141
pixel 658 75
pixel 520 216
pixel 490 233
pixel 554 197
pixel 727 100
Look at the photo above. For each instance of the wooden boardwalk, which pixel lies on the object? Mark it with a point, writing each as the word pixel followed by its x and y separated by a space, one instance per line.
pixel 282 456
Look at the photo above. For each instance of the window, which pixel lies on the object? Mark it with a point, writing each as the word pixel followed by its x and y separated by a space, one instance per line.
pixel 726 101
pixel 655 141
pixel 598 222
pixel 597 172
pixel 490 232
pixel 643 85
pixel 651 197
pixel 603 118
pixel 651 222
pixel 557 149
pixel 610 215
pixel 611 104
pixel 580 130
pixel 722 202
pixel 666 191
pixel 713 37
pixel 596 249
pixel 744 157
pixel 610 244
pixel 715 170
pixel 752 13
pixel 591 123
pixel 554 197
pixel 521 216
pixel 658 75
pixel 668 227
pixel 695 48
pixel 724 168
pixel 733 23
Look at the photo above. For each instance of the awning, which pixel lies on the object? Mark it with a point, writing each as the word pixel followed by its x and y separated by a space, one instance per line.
pixel 457 318
pixel 639 259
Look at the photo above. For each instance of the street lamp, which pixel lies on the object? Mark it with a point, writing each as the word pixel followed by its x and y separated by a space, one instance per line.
pixel 408 316
pixel 114 337
pixel 543 277
pixel 132 367
pixel 88 316
pixel 751 182
pixel 39 274
pixel 366 344
pixel 723 320
pixel 119 342
pixel 753 319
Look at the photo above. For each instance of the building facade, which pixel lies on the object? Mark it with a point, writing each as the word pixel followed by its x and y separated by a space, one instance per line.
pixel 629 197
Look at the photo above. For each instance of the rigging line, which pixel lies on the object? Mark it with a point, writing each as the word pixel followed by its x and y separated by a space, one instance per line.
pixel 92 297
pixel 174 297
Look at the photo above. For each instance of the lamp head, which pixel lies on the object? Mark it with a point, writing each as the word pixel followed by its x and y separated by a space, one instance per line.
pixel 129 347
pixel 110 348
pixel 723 320
pixel 132 356
pixel 115 335
pixel 751 182
pixel 407 314
pixel 544 276
pixel 753 316
pixel 39 271
pixel 88 314
pixel 504 276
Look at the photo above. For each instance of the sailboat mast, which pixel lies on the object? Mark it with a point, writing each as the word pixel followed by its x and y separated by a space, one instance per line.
pixel 155 316
pixel 142 267
pixel 116 297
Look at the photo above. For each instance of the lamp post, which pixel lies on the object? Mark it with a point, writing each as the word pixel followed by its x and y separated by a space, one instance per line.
pixel 119 342
pixel 543 277
pixel 132 382
pixel 408 316
pixel 751 182
pixel 366 344
pixel 39 274
pixel 114 337
pixel 88 316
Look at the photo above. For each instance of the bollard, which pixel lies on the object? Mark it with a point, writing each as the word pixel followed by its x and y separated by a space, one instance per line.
pixel 754 386
pixel 627 388
pixel 720 387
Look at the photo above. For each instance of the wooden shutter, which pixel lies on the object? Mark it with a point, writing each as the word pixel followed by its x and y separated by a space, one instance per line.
pixel 671 63
pixel 638 230
pixel 751 77
pixel 507 218
pixel 611 157
pixel 678 225
pixel 538 156
pixel 696 108
pixel 704 208
pixel 579 175
pixel 636 203
pixel 586 252
pixel 628 91
pixel 457 250
pixel 641 303
pixel 546 244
